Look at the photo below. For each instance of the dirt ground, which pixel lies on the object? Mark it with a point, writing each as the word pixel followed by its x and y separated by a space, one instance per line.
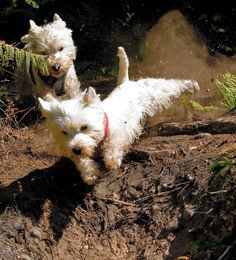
pixel 163 203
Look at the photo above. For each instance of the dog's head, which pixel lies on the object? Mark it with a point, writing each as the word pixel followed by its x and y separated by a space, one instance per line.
pixel 77 124
pixel 53 40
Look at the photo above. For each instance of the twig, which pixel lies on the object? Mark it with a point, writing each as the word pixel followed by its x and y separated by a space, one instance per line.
pixel 182 190
pixel 205 146
pixel 124 203
pixel 216 192
pixel 213 193
pixel 164 193
pixel 204 212
pixel 226 251
pixel 118 201
pixel 32 108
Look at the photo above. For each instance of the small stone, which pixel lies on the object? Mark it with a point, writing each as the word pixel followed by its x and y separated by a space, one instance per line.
pixel 35 232
pixel 188 211
pixel 172 225
pixel 24 256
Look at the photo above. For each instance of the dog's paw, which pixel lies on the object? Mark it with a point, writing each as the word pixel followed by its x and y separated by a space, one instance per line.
pixel 192 85
pixel 89 169
pixel 112 164
pixel 90 177
pixel 90 180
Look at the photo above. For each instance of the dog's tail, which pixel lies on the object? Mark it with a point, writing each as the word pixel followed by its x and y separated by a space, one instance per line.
pixel 123 74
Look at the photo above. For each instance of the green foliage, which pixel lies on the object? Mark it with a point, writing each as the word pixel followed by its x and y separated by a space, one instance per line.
pixel 199 107
pixel 23 59
pixel 195 247
pixel 227 87
pixel 208 238
pixel 33 3
pixel 221 167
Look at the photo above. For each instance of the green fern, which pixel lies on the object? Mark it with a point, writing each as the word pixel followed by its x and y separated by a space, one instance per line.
pixel 227 87
pixel 23 59
pixel 199 107
pixel 221 167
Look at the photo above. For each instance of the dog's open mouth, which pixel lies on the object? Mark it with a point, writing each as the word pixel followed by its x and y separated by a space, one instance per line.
pixel 49 80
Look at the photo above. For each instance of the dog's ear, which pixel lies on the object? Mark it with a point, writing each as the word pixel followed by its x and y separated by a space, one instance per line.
pixel 56 17
pixel 92 93
pixel 33 25
pixel 45 106
pixel 90 97
pixel 34 28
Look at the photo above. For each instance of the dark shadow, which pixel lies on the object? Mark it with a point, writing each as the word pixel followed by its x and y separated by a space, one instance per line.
pixel 59 184
pixel 208 231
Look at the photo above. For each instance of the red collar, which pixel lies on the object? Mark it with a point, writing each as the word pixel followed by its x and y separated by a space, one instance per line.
pixel 106 130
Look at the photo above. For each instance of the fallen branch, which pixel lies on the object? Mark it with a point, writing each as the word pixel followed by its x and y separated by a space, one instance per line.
pixel 225 125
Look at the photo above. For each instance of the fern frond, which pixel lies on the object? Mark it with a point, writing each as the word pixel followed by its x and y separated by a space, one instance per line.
pixel 27 61
pixel 41 65
pixel 221 167
pixel 227 88
pixel 201 108
pixel 22 58
pixel 19 58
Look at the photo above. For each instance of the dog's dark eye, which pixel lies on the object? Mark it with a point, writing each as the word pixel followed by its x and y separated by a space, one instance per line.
pixel 83 128
pixel 64 133
pixel 61 49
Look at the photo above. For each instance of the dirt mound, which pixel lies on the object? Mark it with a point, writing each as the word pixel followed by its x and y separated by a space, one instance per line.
pixel 173 48
pixel 162 203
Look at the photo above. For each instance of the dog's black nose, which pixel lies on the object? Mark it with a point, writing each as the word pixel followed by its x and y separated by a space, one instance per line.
pixel 56 68
pixel 77 150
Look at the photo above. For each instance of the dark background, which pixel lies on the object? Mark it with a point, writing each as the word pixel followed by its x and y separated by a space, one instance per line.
pixel 99 27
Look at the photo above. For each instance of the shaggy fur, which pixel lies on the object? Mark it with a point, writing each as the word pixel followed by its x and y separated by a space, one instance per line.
pixel 55 41
pixel 79 125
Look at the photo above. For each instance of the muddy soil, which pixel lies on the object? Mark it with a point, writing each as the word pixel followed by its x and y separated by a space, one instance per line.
pixel 162 203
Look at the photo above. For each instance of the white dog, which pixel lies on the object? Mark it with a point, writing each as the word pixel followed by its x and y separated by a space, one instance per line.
pixel 84 125
pixel 55 41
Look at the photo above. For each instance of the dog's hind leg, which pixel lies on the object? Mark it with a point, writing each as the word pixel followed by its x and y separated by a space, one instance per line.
pixel 123 74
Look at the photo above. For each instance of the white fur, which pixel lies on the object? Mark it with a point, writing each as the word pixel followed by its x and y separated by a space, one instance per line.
pixel 127 107
pixel 55 41
pixel 123 74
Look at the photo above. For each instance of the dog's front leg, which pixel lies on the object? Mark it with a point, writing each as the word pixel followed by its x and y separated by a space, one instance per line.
pixel 89 170
pixel 113 157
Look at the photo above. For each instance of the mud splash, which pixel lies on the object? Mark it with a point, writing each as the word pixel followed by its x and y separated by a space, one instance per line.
pixel 174 49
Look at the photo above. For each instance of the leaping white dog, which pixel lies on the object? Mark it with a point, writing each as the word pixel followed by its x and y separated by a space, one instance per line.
pixel 83 124
pixel 54 40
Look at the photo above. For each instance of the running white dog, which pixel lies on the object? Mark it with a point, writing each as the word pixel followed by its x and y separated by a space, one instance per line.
pixel 55 41
pixel 86 125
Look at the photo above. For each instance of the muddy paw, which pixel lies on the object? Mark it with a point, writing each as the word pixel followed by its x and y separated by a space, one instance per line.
pixel 112 164
pixel 89 180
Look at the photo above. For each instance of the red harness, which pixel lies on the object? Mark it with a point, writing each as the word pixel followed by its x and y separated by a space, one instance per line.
pixel 106 130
